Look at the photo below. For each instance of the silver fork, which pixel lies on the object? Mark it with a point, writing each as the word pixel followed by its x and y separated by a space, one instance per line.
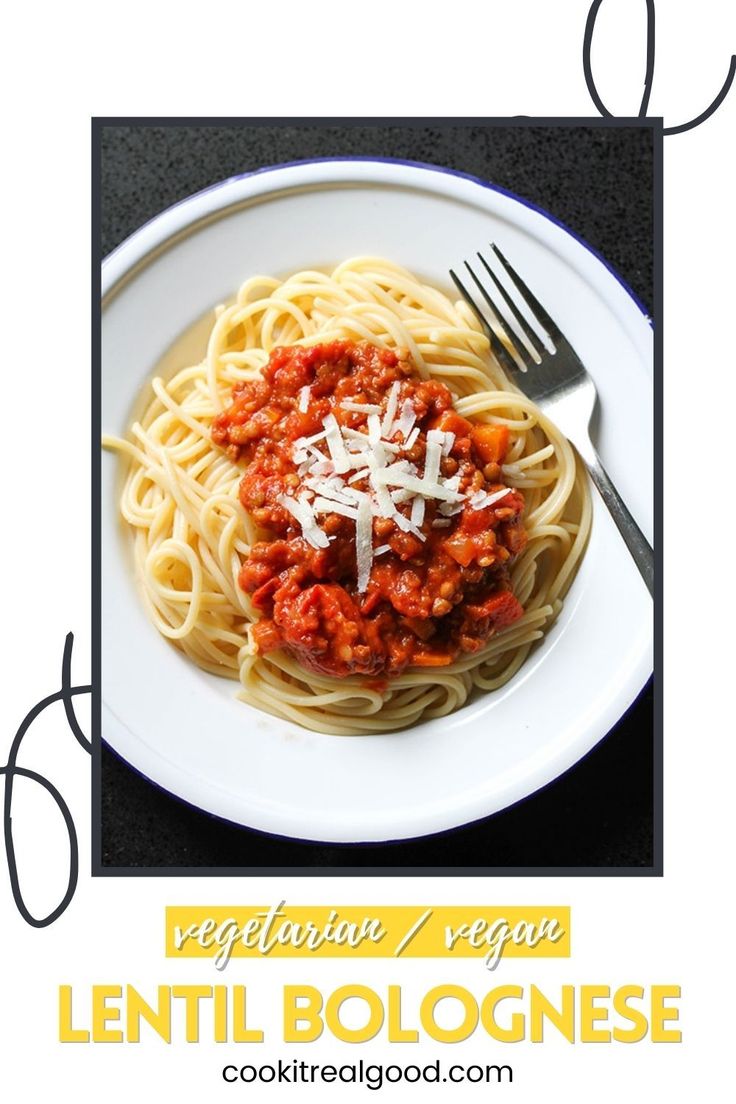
pixel 558 382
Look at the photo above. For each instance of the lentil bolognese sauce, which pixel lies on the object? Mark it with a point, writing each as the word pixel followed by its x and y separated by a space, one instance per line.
pixel 347 507
pixel 336 433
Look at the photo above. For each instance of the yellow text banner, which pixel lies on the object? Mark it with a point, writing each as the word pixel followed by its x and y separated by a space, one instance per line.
pixel 373 931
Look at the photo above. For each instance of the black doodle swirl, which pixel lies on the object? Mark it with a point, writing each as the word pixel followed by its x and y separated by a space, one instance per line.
pixel 11 771
pixel 649 74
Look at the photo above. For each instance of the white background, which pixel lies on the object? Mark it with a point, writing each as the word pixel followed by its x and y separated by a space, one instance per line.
pixel 66 63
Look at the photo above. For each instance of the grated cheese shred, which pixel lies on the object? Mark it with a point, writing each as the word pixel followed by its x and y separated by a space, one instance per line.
pixel 369 455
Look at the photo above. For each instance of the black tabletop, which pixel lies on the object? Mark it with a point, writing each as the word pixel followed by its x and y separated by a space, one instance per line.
pixel 597 180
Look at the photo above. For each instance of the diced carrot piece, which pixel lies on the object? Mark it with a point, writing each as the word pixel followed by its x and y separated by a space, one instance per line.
pixel 515 538
pixel 503 608
pixel 430 659
pixel 266 636
pixel 462 549
pixel 491 442
pixel 449 421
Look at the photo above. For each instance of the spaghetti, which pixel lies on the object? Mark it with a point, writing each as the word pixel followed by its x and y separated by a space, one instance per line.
pixel 184 496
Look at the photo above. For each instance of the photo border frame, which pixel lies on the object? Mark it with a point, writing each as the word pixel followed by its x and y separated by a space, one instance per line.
pixel 98 869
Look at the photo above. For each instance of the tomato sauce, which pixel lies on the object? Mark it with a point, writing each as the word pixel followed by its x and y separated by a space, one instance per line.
pixel 427 601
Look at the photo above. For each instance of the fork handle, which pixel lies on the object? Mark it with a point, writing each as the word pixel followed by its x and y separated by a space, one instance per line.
pixel 636 542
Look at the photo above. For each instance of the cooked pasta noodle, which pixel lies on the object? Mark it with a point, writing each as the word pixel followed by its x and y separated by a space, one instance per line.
pixel 191 533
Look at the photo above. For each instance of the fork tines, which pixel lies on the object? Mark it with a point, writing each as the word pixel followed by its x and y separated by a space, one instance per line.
pixel 514 342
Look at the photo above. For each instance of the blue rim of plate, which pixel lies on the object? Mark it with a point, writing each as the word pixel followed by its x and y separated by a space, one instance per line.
pixel 427 167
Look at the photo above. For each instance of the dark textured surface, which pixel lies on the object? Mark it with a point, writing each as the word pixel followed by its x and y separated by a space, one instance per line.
pixel 599 182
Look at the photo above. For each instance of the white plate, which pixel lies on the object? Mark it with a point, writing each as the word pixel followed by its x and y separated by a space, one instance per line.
pixel 184 729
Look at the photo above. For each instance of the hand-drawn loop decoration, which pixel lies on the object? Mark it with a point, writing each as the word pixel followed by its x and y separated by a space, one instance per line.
pixel 649 74
pixel 11 770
